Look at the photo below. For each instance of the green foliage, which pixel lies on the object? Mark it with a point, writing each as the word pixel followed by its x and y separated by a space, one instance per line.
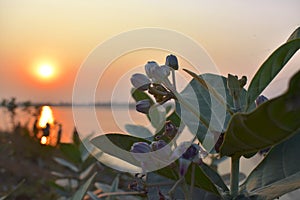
pixel 80 169
pixel 210 105
pixel 83 189
pixel 12 190
pixel 124 142
pixel 278 173
pixel 71 152
pixel 270 124
pixel 199 95
pixel 272 66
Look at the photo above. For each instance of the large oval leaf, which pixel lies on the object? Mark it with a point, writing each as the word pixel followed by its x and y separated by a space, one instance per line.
pixel 270 124
pixel 154 192
pixel 278 173
pixel 211 109
pixel 272 66
pixel 105 143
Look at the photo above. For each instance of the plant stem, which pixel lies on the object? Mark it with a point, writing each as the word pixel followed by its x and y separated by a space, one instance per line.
pixel 119 194
pixel 234 176
pixel 185 189
pixel 173 78
pixel 192 180
pixel 172 190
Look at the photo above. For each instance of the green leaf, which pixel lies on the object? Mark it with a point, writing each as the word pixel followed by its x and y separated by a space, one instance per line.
pixel 210 89
pixel 214 176
pixel 66 164
pixel 154 178
pixel 278 173
pixel 139 131
pixel 272 66
pixel 83 189
pixel 84 174
pixel 226 177
pixel 210 107
pixel 84 152
pixel 71 152
pixel 295 35
pixel 234 86
pixel 157 114
pixel 114 186
pixel 205 178
pixel 124 142
pixel 203 181
pixel 12 190
pixel 138 95
pixel 271 123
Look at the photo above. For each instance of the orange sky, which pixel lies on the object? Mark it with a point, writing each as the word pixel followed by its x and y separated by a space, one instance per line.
pixel 238 35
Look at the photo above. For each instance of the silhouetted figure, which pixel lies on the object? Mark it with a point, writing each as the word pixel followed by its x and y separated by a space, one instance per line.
pixel 35 129
pixel 59 134
pixel 46 130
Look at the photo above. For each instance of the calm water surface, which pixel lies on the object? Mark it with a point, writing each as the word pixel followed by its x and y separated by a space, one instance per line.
pixel 108 120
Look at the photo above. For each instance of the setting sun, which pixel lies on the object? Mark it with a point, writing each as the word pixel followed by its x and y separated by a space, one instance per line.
pixel 46 71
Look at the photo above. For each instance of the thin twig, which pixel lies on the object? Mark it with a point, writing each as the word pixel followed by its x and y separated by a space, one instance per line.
pixel 119 193
pixel 172 190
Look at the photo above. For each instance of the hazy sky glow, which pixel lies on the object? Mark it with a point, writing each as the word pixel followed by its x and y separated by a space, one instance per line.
pixel 238 35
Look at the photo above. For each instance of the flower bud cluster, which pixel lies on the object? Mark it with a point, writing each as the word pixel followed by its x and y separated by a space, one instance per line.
pixel 143 147
pixel 153 82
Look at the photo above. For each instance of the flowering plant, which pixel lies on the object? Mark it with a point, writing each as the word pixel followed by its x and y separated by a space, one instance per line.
pixel 226 120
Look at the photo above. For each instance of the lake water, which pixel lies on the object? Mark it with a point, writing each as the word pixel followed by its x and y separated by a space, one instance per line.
pixel 108 120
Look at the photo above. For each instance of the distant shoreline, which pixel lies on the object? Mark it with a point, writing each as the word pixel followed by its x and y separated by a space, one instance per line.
pixel 105 104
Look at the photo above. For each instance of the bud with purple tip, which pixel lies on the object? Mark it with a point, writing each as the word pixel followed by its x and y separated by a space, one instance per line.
pixel 170 130
pixel 140 147
pixel 189 156
pixel 140 81
pixel 194 153
pixel 191 152
pixel 143 106
pixel 261 99
pixel 172 61
pixel 156 145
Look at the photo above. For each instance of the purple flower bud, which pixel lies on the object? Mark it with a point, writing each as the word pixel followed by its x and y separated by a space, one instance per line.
pixel 170 129
pixel 219 142
pixel 261 99
pixel 140 147
pixel 264 152
pixel 191 152
pixel 143 106
pixel 172 61
pixel 140 81
pixel 156 145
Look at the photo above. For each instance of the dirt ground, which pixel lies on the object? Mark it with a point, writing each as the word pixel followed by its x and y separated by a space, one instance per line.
pixel 23 159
